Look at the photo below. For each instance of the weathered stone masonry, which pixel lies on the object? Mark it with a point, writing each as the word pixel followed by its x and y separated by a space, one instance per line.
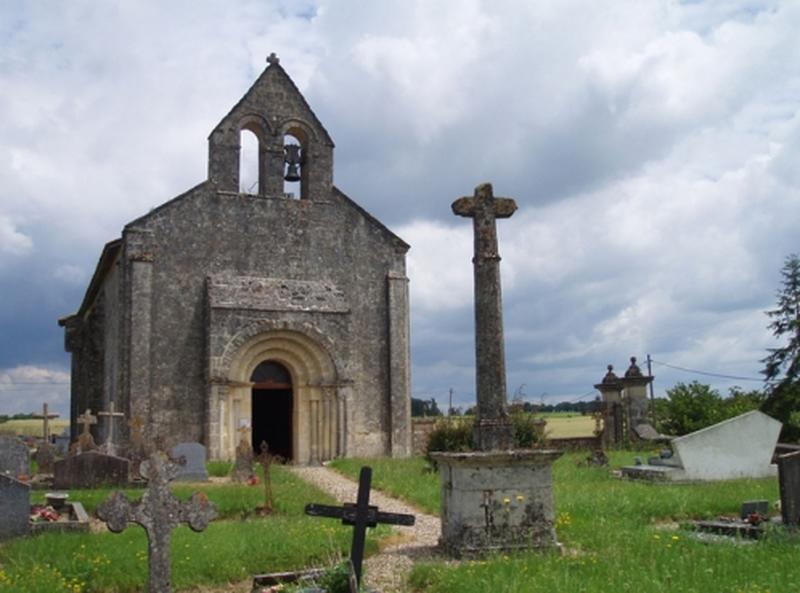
pixel 205 288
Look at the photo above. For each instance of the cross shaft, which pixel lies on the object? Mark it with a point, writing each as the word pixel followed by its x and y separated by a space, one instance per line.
pixel 492 426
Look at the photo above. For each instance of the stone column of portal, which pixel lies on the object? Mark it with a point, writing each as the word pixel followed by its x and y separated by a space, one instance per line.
pixel 635 388
pixel 492 425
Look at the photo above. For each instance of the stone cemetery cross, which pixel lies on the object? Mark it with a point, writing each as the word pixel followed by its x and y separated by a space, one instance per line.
pixel 360 515
pixel 86 420
pixel 492 426
pixel 159 512
pixel 45 417
pixel 111 415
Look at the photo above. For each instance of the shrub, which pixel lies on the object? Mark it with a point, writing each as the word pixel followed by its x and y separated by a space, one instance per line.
pixel 451 436
pixel 527 429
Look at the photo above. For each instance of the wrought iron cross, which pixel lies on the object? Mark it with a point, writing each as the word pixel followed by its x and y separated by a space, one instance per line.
pixel 360 515
pixel 159 512
pixel 492 427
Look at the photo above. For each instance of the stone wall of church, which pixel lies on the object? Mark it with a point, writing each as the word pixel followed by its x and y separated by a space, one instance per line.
pixel 210 232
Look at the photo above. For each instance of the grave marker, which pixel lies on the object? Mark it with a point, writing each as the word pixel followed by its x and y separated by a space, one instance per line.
pixel 45 416
pixel 109 446
pixel 194 467
pixel 158 512
pixel 360 515
pixel 15 507
pixel 14 457
pixel 243 466
pixel 789 478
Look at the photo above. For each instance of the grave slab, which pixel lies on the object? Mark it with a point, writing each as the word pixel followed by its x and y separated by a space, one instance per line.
pixel 194 469
pixel 90 470
pixel 15 507
pixel 739 447
pixel 14 457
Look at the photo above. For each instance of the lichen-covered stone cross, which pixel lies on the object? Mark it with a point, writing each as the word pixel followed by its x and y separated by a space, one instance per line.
pixel 159 512
pixel 492 427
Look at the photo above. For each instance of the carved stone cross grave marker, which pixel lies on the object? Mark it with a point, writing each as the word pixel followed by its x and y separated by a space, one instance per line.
pixel 159 512
pixel 45 416
pixel 85 439
pixel 360 515
pixel 112 415
pixel 492 426
pixel 265 459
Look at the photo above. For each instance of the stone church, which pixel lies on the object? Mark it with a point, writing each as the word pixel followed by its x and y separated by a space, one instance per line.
pixel 279 315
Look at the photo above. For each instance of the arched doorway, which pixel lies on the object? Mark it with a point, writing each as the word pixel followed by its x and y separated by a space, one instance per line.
pixel 272 407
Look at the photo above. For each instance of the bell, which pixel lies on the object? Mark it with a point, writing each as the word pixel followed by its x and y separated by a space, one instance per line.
pixel 292 172
pixel 292 159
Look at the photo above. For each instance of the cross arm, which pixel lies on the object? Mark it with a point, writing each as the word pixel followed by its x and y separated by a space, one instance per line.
pixel 347 514
pixel 117 512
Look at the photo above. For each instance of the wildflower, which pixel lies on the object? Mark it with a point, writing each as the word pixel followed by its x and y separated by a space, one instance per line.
pixel 520 498
pixel 506 500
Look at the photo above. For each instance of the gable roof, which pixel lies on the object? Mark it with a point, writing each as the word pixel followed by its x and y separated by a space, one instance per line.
pixel 371 219
pixel 272 76
pixel 107 259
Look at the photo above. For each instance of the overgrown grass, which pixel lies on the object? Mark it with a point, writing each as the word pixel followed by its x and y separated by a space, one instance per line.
pixel 227 551
pixel 618 535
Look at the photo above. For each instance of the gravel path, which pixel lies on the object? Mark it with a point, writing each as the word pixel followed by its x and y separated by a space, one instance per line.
pixel 388 570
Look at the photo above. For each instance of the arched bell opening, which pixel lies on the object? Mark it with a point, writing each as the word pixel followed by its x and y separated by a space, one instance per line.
pixel 249 164
pixel 295 174
pixel 272 409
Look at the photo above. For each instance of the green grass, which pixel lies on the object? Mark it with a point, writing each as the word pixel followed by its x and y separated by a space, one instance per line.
pixel 410 479
pixel 619 536
pixel 227 551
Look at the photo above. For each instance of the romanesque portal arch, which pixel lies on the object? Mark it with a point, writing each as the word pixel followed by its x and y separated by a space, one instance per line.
pixel 316 414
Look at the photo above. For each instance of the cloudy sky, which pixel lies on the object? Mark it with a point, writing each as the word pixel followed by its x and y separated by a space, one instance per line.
pixel 652 148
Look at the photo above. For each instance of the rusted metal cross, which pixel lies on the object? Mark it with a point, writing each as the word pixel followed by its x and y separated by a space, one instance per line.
pixel 45 416
pixel 159 512
pixel 360 515
pixel 492 426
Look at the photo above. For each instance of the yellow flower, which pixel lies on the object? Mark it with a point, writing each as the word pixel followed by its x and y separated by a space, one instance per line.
pixel 520 498
pixel 506 500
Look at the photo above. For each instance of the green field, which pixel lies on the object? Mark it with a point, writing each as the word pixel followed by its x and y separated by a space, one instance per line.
pixel 32 428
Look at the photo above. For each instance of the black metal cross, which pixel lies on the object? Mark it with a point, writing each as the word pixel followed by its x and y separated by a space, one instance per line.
pixel 360 515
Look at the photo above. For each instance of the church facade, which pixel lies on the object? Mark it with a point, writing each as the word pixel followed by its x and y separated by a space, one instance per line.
pixel 271 316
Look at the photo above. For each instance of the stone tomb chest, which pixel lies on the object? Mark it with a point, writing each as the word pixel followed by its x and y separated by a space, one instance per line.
pixel 91 470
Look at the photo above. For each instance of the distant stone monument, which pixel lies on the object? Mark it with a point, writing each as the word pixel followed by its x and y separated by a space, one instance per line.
pixel 159 512
pixel 495 499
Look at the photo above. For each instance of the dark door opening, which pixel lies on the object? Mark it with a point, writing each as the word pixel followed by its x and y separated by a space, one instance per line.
pixel 272 407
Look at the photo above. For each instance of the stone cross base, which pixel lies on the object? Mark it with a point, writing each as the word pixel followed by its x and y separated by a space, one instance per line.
pixel 497 501
pixel 493 434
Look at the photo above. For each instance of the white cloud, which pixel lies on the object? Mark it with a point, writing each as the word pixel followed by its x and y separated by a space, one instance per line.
pixel 13 242
pixel 23 389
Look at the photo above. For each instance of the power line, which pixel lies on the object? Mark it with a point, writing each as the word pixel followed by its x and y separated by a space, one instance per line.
pixel 710 374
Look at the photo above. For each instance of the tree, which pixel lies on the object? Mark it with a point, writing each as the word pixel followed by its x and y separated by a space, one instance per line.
pixel 424 407
pixel 782 365
pixel 691 407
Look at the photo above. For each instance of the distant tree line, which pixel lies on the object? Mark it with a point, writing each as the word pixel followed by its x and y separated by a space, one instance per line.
pixel 6 417
pixel 428 407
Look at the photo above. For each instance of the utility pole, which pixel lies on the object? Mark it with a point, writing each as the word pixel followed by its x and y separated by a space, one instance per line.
pixel 450 403
pixel 652 397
